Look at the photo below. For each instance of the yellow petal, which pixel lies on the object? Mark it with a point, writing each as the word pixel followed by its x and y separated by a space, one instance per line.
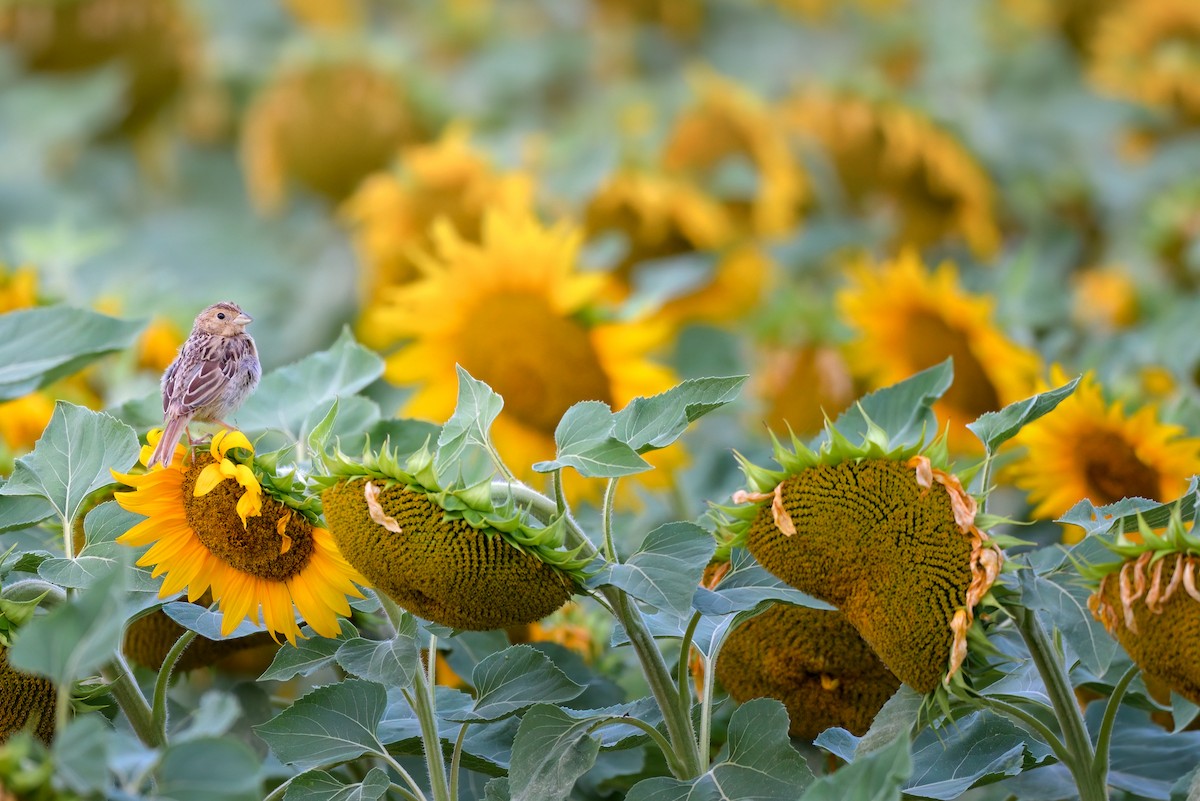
pixel 208 479
pixel 231 439
pixel 245 476
pixel 249 505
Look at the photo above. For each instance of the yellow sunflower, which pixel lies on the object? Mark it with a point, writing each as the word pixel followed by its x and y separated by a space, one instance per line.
pixel 327 15
pixel 822 9
pixel 515 312
pixel 728 125
pixel 211 528
pixel 1149 52
pixel 18 288
pixel 391 212
pixel 802 386
pixel 296 129
pixel 908 318
pixel 1074 20
pixel 682 18
pixel 1092 448
pixel 1105 298
pixel 895 161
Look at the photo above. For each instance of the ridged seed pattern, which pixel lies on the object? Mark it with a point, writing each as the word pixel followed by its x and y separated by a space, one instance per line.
pixel 23 696
pixel 811 660
pixel 441 570
pixel 884 550
pixel 149 638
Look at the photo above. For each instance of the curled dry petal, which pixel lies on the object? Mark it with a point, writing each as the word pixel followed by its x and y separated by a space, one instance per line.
pixel 742 496
pixel 959 625
pixel 1154 599
pixel 371 494
pixel 783 521
pixel 1127 595
pixel 924 469
pixel 1189 579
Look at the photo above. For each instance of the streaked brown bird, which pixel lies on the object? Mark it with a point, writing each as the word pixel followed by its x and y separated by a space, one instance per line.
pixel 216 370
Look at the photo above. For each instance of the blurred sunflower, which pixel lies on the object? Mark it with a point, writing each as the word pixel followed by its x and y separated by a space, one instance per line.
pixel 18 288
pixel 1105 298
pixel 1149 52
pixel 327 15
pixel 681 18
pixel 1092 448
pixel 802 386
pixel 1074 20
pixel 214 526
pixel 822 9
pixel 296 129
pixel 391 212
pixel 908 318
pixel 660 216
pixel 727 134
pixel 515 312
pixel 153 41
pixel 893 158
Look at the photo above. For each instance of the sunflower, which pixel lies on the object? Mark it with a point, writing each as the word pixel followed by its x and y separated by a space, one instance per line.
pixel 1092 448
pixel 908 319
pixel 18 288
pixel 895 160
pixel 727 129
pixel 1149 52
pixel 1074 20
pixel 1105 298
pixel 391 212
pixel 153 42
pixel 822 9
pixel 803 386
pixel 515 312
pixel 681 18
pixel 296 129
pixel 327 15
pixel 214 526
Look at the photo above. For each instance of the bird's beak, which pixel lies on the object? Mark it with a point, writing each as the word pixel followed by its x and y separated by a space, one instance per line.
pixel 242 319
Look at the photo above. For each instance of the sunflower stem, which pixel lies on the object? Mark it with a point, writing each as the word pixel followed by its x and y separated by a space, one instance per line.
pixel 1104 737
pixel 1029 719
pixel 556 486
pixel 456 760
pixel 654 734
pixel 610 494
pixel 1058 686
pixel 159 710
pixel 685 656
pixel 129 697
pixel 417 792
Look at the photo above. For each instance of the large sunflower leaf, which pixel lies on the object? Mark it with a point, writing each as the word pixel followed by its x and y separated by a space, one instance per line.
pixel 331 724
pixel 317 785
pixel 513 679
pixel 584 439
pixel 647 424
pixel 903 410
pixel 1063 598
pixel 209 769
pixel 666 569
pixel 73 457
pixel 40 345
pixel 307 656
pixel 469 428
pixel 22 511
pixel 996 428
pixel 207 622
pixel 551 751
pixel 878 776
pixel 392 662
pixel 757 762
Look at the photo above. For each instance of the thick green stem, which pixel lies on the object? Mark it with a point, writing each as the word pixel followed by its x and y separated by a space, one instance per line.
pixel 133 703
pixel 1104 737
pixel 676 711
pixel 164 678
pixel 1058 686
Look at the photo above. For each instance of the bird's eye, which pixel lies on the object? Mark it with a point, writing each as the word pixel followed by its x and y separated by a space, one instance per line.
pixel 220 315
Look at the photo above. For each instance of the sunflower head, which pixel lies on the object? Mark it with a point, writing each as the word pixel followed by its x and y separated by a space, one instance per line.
pixel 221 522
pixel 908 318
pixel 813 661
pixel 296 128
pixel 1090 447
pixel 446 555
pixel 1150 603
pixel 892 159
pixel 153 41
pixel 881 531
pixel 28 701
pixel 726 131
pixel 391 212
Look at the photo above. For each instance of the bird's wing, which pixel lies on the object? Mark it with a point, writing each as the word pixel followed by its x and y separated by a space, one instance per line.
pixel 200 380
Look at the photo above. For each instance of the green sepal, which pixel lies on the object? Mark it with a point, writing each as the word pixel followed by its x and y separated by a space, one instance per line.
pixel 1178 539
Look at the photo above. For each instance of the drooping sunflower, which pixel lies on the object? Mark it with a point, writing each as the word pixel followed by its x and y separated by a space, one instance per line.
pixel 884 533
pixel 893 160
pixel 515 312
pixel 1092 448
pixel 908 318
pixel 1149 52
pixel 295 130
pixel 731 143
pixel 392 211
pixel 153 42
pixel 219 523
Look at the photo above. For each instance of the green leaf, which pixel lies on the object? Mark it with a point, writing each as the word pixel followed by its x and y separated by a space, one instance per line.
pixel 550 752
pixel 996 428
pixel 650 423
pixel 978 749
pixel 393 662
pixel 497 790
pixel 903 410
pixel 666 570
pixel 1122 516
pixel 331 724
pixel 307 656
pixel 895 719
pixel 209 769
pixel 81 754
pixel 207 622
pixel 85 570
pixel 38 346
pixel 758 762
pixel 287 397
pixel 584 440
pixel 22 511
pixel 76 637
pixel 1063 597
pixel 879 776
pixel 469 426
pixel 746 586
pixel 73 457
pixel 513 679
pixel 317 785
pixel 107 522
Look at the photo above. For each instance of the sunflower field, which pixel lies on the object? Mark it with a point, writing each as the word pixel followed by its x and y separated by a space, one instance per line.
pixel 657 400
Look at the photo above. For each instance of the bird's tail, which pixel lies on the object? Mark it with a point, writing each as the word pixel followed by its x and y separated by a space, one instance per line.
pixel 164 451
